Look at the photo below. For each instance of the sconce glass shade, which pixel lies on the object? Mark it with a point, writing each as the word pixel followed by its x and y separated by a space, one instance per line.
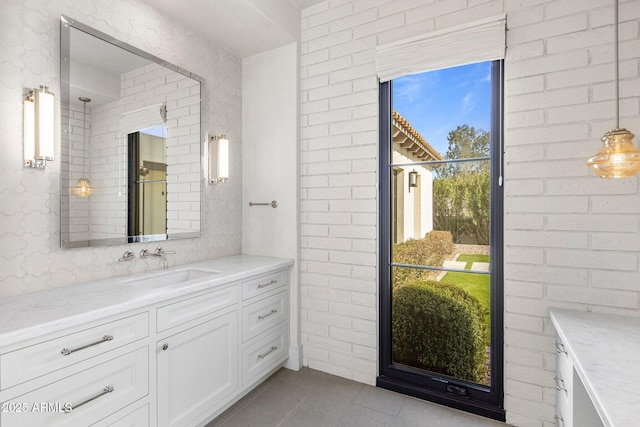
pixel 618 157
pixel 219 159
pixel 44 119
pixel 83 188
pixel 39 125
pixel 223 158
pixel 29 111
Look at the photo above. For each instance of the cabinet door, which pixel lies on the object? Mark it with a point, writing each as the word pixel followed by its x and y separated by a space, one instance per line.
pixel 197 370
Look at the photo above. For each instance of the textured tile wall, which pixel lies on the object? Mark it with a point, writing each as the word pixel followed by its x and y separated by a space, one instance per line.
pixel 571 239
pixel 30 256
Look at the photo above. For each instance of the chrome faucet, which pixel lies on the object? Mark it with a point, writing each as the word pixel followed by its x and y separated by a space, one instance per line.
pixel 158 253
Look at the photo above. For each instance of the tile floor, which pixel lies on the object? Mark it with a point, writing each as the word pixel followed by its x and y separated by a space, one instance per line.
pixel 310 398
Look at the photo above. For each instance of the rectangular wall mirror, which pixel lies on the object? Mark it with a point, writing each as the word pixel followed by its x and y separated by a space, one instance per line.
pixel 131 166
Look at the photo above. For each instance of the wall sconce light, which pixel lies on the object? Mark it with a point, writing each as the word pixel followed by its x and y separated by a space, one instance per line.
pixel 618 157
pixel 413 179
pixel 39 131
pixel 218 159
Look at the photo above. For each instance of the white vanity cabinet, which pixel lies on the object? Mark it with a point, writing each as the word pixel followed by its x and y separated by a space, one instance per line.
pixel 574 407
pixel 597 357
pixel 109 354
pixel 215 346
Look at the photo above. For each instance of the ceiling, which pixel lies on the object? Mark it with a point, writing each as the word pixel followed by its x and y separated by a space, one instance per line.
pixel 242 27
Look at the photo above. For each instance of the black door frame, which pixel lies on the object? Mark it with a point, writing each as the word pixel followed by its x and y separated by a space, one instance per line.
pixel 486 401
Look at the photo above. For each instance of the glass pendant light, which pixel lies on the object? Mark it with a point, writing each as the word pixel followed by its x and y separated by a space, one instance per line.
pixel 618 157
pixel 83 188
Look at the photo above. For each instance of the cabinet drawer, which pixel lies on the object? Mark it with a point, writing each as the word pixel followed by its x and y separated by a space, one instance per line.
pixel 263 284
pixel 92 394
pixel 180 312
pixel 265 353
pixel 264 314
pixel 137 418
pixel 31 362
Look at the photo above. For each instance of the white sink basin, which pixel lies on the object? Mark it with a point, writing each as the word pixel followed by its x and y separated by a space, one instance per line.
pixel 172 278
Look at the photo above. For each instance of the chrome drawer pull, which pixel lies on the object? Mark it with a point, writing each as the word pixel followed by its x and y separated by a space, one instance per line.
pixel 556 379
pixel 560 347
pixel 559 420
pixel 271 350
pixel 264 316
pixel 264 285
pixel 106 390
pixel 67 351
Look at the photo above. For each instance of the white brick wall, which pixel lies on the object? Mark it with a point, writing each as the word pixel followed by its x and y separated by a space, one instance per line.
pixel 584 255
pixel 571 239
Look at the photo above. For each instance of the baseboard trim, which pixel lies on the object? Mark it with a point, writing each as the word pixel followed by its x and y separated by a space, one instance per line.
pixel 294 362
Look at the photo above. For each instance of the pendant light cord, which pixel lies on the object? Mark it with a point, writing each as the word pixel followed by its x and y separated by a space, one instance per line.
pixel 84 137
pixel 84 101
pixel 615 61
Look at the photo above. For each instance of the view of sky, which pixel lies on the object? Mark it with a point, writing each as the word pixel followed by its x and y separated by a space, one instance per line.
pixel 436 102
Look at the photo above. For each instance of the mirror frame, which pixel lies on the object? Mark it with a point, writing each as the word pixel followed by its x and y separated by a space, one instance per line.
pixel 66 24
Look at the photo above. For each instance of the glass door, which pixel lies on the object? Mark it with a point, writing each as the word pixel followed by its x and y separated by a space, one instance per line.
pixel 441 239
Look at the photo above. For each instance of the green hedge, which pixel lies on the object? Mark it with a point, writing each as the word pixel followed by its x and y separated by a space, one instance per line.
pixel 430 251
pixel 440 328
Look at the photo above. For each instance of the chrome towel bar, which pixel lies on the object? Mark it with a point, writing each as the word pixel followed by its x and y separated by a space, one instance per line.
pixel 274 204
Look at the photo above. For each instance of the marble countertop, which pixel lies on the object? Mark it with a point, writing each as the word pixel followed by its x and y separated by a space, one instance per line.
pixel 38 314
pixel 605 351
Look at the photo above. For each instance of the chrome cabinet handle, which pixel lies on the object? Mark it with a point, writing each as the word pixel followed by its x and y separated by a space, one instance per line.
pixel 560 347
pixel 271 350
pixel 165 346
pixel 561 380
pixel 559 420
pixel 264 316
pixel 106 390
pixel 264 285
pixel 67 351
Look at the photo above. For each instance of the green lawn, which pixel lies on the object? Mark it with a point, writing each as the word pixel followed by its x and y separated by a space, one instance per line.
pixel 469 259
pixel 475 284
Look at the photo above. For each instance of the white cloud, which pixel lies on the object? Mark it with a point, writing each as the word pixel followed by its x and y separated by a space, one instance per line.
pixel 467 104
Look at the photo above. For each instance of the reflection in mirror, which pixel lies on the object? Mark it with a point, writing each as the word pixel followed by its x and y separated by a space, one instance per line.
pixel 137 142
pixel 147 182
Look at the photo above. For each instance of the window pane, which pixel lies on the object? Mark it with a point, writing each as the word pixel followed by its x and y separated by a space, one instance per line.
pixel 442 324
pixel 461 202
pixel 439 214
pixel 443 114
